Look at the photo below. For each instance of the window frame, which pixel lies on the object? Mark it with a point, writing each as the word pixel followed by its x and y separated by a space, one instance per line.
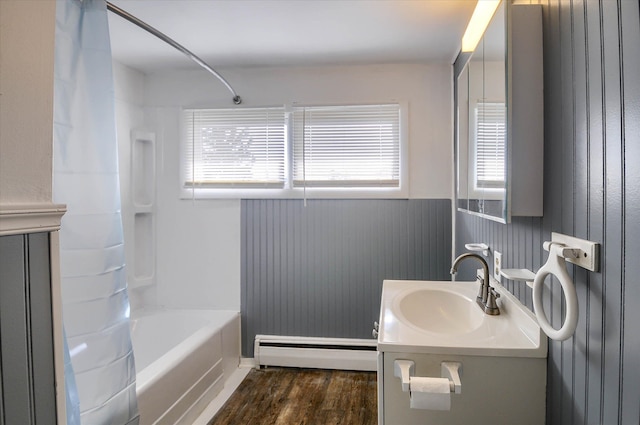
pixel 290 192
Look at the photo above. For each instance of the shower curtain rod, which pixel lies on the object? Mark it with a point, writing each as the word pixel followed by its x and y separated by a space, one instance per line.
pixel 129 17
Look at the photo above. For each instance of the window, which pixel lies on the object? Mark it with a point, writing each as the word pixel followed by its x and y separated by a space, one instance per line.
pixel 490 145
pixel 273 152
pixel 234 148
pixel 346 146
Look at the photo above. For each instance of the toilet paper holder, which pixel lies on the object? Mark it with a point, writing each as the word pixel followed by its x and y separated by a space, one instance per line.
pixel 405 369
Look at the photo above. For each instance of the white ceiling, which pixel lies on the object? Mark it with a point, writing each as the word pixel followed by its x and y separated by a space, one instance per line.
pixel 252 33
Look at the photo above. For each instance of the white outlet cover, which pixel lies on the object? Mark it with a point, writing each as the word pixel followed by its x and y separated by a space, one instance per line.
pixel 497 265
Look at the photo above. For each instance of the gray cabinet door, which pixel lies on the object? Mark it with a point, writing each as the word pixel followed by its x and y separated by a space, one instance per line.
pixel 27 390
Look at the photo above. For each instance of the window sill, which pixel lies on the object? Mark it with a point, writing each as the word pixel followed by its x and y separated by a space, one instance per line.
pixel 310 193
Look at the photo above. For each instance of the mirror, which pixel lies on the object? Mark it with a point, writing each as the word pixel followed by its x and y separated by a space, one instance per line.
pixel 500 118
pixel 482 125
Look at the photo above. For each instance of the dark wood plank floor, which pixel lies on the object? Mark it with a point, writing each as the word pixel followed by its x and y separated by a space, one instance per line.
pixel 284 396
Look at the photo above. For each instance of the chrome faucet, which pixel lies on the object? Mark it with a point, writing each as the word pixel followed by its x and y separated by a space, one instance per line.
pixel 487 295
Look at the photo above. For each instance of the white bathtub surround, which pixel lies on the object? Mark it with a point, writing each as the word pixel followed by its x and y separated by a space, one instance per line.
pixel 184 358
pixel 137 195
pixel 197 243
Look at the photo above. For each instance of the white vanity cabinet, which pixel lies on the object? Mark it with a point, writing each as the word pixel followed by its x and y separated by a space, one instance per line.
pixel 495 390
pixel 502 359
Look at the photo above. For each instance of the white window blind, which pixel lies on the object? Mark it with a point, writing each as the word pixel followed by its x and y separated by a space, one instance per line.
pixel 346 146
pixel 227 148
pixel 490 144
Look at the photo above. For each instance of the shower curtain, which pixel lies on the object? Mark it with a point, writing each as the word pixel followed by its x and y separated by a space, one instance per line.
pixel 94 287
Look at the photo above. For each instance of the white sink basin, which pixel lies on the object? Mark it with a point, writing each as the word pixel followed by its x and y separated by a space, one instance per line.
pixel 443 317
pixel 439 310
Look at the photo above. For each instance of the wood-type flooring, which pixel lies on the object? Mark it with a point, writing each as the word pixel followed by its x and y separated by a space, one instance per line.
pixel 287 396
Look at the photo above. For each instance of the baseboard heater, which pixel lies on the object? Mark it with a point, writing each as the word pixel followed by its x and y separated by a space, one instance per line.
pixel 320 353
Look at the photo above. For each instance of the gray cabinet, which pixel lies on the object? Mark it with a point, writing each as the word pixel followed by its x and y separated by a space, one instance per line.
pixel 27 358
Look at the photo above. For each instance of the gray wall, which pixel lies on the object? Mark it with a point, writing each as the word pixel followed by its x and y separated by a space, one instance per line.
pixel 27 389
pixel 592 191
pixel 318 271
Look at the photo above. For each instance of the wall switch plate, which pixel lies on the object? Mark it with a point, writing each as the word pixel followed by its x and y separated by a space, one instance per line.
pixel 589 255
pixel 497 265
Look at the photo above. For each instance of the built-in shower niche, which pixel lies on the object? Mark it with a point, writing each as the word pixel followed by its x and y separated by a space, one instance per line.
pixel 143 178
pixel 144 252
pixel 143 170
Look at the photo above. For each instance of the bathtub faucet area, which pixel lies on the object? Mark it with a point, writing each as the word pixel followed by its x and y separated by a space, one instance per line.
pixel 487 295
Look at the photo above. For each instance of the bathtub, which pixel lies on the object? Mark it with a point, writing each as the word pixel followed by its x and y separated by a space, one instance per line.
pixel 182 360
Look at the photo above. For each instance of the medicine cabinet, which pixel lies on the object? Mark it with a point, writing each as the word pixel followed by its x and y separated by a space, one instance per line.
pixel 499 137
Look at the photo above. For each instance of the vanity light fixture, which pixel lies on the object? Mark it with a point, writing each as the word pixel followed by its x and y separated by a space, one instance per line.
pixel 478 23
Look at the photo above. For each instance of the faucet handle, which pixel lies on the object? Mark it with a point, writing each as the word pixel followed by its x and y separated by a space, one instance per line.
pixel 491 307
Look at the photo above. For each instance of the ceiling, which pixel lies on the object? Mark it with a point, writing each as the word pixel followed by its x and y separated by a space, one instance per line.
pixel 256 33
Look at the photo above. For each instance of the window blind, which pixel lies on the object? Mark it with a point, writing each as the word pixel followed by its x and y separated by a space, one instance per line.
pixel 490 144
pixel 226 148
pixel 346 146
